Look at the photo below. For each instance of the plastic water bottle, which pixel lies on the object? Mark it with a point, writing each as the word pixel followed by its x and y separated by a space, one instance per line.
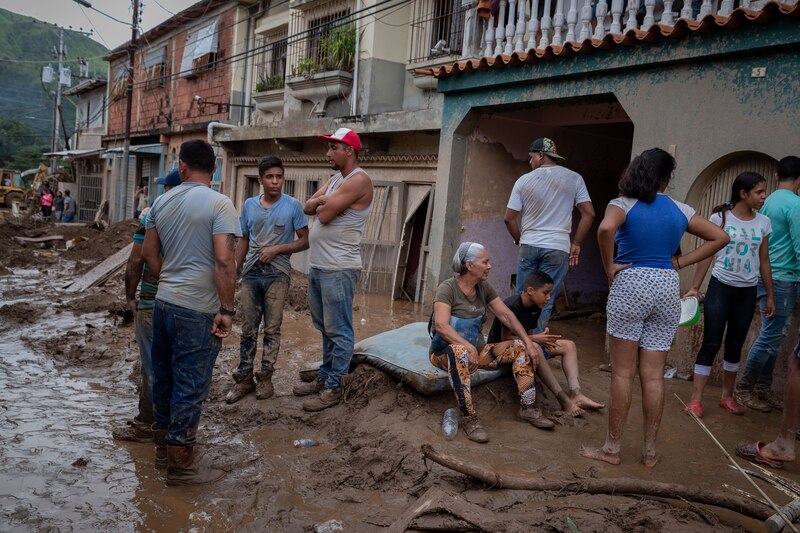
pixel 304 443
pixel 450 423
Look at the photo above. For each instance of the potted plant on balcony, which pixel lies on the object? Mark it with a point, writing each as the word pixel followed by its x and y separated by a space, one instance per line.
pixel 319 82
pixel 268 96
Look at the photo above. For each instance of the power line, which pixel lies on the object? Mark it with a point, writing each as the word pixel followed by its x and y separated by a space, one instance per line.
pixel 93 26
pixel 164 8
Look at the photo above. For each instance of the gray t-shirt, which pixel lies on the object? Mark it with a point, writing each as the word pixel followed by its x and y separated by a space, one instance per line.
pixel 186 218
pixel 69 205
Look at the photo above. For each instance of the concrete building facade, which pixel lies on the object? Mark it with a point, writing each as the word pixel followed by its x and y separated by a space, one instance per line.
pixel 719 93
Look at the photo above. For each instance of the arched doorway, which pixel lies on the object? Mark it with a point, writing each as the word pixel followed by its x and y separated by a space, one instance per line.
pixel 713 186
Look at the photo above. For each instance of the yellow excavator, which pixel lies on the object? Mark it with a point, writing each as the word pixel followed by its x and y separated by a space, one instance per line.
pixel 12 187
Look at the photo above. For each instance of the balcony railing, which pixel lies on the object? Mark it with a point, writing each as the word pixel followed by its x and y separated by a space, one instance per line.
pixel 437 28
pixel 526 24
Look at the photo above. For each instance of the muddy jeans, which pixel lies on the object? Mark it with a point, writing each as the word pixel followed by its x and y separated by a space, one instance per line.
pixel 184 351
pixel 263 293
pixel 330 299
pixel 455 361
pixel 554 263
pixel 144 338
pixel 764 351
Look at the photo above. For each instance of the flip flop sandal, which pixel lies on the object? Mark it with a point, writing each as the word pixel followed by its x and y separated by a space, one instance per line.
pixel 751 451
pixel 696 408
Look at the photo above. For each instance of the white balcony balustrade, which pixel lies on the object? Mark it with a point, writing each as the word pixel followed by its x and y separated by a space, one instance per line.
pixel 522 25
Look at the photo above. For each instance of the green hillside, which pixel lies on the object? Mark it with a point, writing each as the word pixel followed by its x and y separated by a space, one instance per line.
pixel 26 45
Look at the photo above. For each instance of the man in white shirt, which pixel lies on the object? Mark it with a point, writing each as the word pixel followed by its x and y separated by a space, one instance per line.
pixel 545 198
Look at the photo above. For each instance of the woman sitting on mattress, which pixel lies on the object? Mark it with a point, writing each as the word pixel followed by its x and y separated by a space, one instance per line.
pixel 458 346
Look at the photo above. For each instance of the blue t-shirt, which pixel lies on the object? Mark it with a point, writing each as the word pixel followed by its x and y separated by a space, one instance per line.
pixel 652 232
pixel 186 218
pixel 270 226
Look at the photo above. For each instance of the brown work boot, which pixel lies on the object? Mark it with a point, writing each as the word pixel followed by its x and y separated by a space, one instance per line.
pixel 326 398
pixel 747 397
pixel 535 417
pixel 474 429
pixel 264 388
pixel 240 390
pixel 161 448
pixel 765 394
pixel 133 431
pixel 183 468
pixel 306 389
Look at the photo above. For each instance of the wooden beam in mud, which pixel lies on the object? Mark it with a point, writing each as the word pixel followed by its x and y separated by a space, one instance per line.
pixel 619 486
pixel 435 500
pixel 101 272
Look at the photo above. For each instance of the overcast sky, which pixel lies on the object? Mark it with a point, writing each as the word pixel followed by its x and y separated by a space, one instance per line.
pixel 107 32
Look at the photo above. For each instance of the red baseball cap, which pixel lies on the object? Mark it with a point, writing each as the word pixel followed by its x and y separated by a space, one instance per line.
pixel 344 135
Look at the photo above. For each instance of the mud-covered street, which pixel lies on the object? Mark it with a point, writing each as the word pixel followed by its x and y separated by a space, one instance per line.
pixel 67 376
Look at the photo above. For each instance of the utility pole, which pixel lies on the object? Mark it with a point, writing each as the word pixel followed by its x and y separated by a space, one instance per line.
pixel 126 146
pixel 57 112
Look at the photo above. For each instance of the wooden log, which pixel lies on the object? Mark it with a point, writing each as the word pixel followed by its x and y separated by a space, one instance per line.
pixel 26 240
pixel 436 500
pixel 601 486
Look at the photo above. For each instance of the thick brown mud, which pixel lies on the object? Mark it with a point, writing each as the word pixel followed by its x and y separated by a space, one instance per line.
pixel 67 376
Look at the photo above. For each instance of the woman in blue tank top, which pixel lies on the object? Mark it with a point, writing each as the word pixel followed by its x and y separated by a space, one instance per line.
pixel 643 303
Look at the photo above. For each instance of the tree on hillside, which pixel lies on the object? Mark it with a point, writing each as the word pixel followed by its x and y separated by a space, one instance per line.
pixel 21 146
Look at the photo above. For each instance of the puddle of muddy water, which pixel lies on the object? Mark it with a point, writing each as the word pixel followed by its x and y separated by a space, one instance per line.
pixel 57 466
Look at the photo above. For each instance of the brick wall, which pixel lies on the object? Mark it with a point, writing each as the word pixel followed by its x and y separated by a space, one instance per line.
pixel 172 108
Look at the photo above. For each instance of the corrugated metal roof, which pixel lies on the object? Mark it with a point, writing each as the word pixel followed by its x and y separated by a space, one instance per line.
pixel 630 38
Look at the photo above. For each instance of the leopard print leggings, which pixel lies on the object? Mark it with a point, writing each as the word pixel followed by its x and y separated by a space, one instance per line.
pixel 455 361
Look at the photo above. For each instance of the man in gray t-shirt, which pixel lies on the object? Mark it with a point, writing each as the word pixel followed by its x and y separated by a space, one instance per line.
pixel 195 230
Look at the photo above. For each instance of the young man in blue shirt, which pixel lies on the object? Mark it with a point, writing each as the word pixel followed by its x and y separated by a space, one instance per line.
pixel 273 228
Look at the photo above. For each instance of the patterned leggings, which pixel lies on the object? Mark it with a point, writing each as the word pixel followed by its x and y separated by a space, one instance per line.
pixel 454 360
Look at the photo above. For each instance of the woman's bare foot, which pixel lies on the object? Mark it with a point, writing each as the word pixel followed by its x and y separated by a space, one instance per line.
pixel 587 403
pixel 649 461
pixel 599 454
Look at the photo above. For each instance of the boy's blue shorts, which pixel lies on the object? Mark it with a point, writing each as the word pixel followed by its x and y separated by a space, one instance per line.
pixel 547 355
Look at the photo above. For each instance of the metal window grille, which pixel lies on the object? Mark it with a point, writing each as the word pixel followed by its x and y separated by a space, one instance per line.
pixel 318 29
pixel 311 188
pixel 434 21
pixel 288 187
pixel 308 27
pixel 90 188
pixel 272 59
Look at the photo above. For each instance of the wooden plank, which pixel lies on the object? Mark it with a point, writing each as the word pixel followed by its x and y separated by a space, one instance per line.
pixel 25 240
pixel 101 272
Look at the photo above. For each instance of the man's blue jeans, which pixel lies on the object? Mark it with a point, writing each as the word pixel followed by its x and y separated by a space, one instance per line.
pixel 330 299
pixel 555 263
pixel 764 352
pixel 144 338
pixel 184 352
pixel 263 293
